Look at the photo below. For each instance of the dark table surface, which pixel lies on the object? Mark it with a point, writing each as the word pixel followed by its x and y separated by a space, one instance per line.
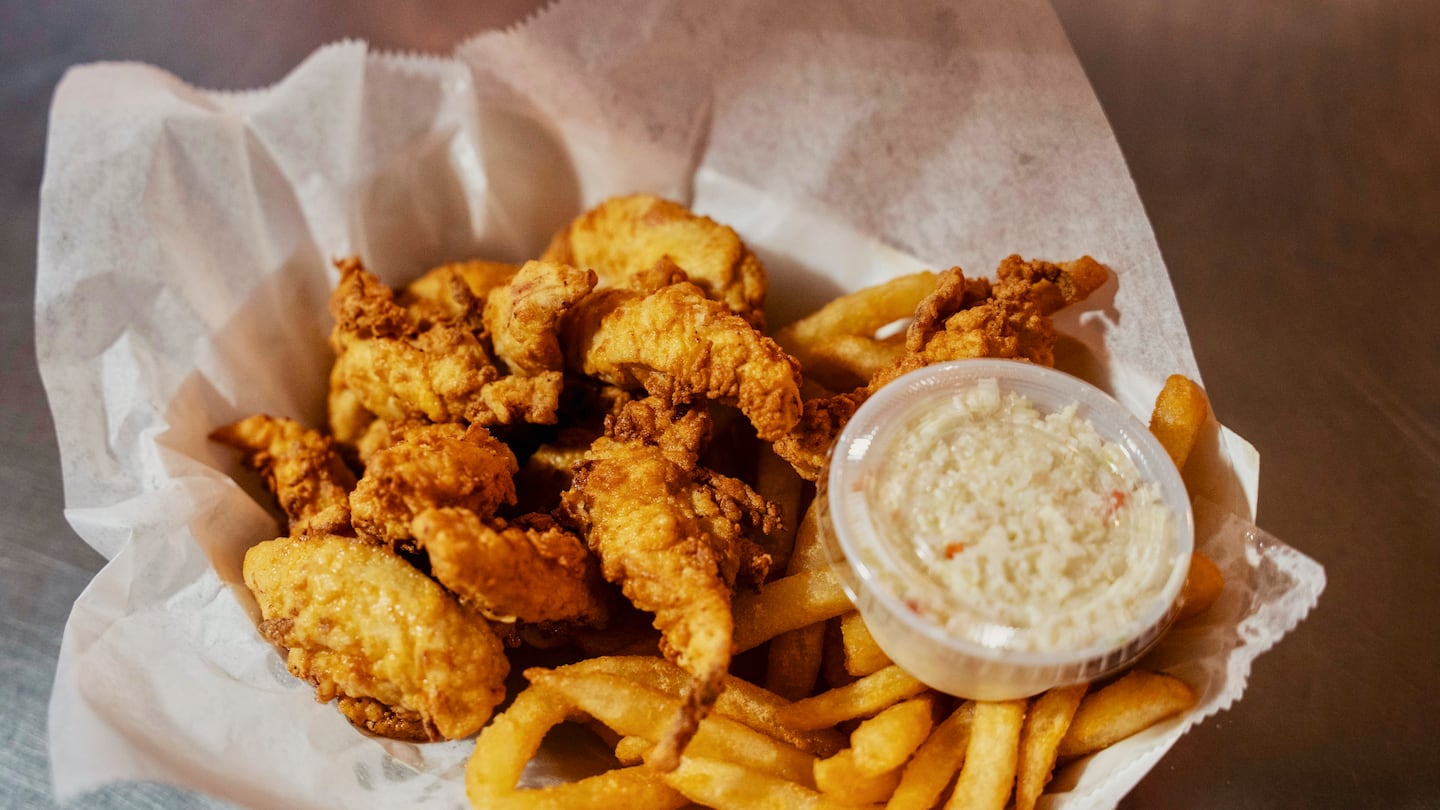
pixel 1288 154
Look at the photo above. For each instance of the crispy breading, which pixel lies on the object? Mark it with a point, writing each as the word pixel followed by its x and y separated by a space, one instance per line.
pixel 433 297
pixel 383 721
pixel 530 570
pixel 523 316
pixel 807 445
pixel 962 318
pixel 399 368
pixel 300 466
pixel 675 537
pixel 359 622
pixel 431 466
pixel 626 237
pixel 347 416
pixel 681 346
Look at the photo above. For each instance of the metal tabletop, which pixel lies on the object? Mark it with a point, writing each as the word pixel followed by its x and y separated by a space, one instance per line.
pixel 1288 154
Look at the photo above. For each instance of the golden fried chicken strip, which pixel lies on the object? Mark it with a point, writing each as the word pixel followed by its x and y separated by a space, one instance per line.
pixel 523 316
pixel 807 446
pixel 627 236
pixel 531 570
pixel 375 717
pixel 432 297
pixel 439 374
pixel 359 622
pixel 431 466
pixel 675 537
pixel 443 372
pixel 962 318
pixel 301 467
pixel 348 417
pixel 363 307
pixel 681 346
pixel 1010 318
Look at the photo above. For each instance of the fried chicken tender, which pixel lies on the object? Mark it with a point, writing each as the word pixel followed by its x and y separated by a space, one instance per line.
pixel 681 346
pixel 530 570
pixel 625 237
pixel 383 721
pixel 399 368
pixel 300 466
pixel 523 316
pixel 807 446
pixel 431 466
pixel 1010 319
pixel 360 623
pixel 431 298
pixel 962 318
pixel 675 537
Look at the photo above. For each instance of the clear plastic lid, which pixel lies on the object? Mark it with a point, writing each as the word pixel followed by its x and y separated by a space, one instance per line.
pixel 1015 616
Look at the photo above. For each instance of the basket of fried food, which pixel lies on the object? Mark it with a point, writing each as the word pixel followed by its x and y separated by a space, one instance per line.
pixel 600 460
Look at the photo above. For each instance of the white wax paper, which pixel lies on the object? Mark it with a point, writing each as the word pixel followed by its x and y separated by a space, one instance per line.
pixel 183 271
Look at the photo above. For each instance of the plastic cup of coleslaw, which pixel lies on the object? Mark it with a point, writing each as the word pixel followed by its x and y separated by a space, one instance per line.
pixel 1005 528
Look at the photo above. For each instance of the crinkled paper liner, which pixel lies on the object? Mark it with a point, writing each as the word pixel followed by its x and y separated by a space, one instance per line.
pixel 183 270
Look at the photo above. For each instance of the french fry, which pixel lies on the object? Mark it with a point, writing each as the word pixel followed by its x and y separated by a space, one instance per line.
pixel 862 698
pixel 988 773
pixel 862 655
pixel 511 740
pixel 839 777
pixel 862 312
pixel 741 700
pixel 634 710
pixel 793 659
pixel 1180 413
pixel 1045 725
pixel 884 742
pixel 1202 586
pixel 726 786
pixel 851 360
pixel 935 762
pixel 858 315
pixel 788 603
pixel 1131 704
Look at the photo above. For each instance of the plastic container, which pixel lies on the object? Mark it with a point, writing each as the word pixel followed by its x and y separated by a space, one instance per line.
pixel 953 646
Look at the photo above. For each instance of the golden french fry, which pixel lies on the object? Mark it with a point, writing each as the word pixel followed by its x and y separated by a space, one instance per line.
pixel 1202 586
pixel 808 553
pixel 862 698
pixel 846 361
pixel 862 312
pixel 885 742
pixel 511 740
pixel 1045 726
pixel 859 314
pixel 1180 413
pixel 634 710
pixel 741 700
pixel 727 786
pixel 862 655
pixel 793 661
pixel 935 762
pixel 1131 704
pixel 988 774
pixel 839 777
pixel 786 604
